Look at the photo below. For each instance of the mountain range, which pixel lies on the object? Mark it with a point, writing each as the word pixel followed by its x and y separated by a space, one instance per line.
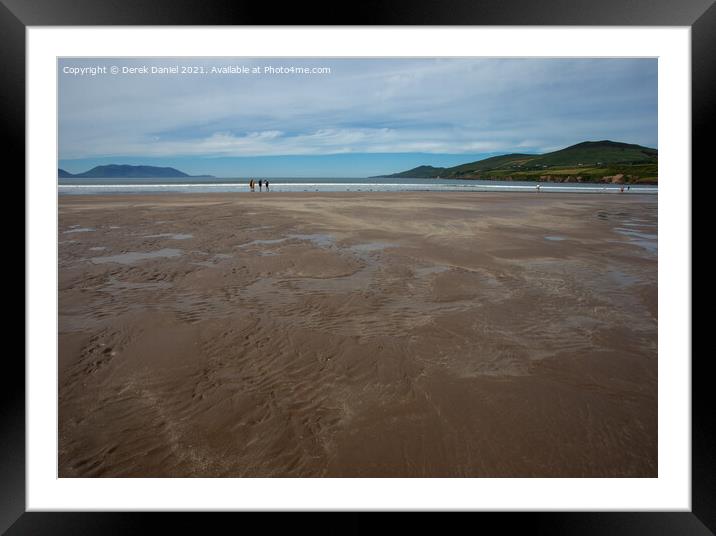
pixel 589 161
pixel 123 171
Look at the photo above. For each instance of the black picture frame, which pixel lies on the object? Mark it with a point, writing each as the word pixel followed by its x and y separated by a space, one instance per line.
pixel 699 15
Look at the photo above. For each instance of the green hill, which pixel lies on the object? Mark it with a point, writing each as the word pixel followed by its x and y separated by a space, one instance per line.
pixel 494 162
pixel 590 161
pixel 595 152
pixel 420 172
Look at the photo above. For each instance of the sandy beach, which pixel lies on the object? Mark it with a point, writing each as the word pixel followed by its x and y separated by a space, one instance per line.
pixel 358 335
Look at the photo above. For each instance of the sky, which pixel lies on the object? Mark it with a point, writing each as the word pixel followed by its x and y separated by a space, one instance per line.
pixel 341 117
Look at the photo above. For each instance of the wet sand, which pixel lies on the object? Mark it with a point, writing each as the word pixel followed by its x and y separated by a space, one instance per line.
pixel 358 335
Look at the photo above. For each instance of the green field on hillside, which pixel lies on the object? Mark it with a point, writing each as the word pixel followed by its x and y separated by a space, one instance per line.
pixel 600 161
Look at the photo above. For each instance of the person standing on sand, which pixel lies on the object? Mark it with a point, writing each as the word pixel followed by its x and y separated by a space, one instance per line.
pixel 251 184
pixel 260 184
pixel 266 181
pixel 538 187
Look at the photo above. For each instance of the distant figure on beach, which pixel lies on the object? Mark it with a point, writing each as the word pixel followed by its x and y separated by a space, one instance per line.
pixel 260 184
pixel 628 187
pixel 251 184
pixel 267 183
pixel 621 190
pixel 538 187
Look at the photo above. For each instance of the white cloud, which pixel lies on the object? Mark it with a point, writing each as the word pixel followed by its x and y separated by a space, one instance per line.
pixel 408 105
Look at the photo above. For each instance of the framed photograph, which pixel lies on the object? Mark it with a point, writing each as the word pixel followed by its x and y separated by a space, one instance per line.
pixel 422 260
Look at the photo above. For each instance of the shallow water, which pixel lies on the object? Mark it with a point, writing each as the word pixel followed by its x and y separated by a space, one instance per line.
pixel 636 234
pixel 622 278
pixel 372 246
pixel 430 270
pixel 319 239
pixel 135 256
pixel 262 242
pixel 173 236
pixel 646 240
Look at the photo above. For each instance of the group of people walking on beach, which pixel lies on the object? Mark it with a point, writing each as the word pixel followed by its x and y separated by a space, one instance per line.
pixel 262 183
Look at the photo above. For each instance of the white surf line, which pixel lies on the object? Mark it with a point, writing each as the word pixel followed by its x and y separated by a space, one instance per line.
pixel 358 184
pixel 148 185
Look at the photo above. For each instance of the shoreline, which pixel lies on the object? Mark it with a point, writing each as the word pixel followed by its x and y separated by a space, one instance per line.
pixel 407 186
pixel 543 193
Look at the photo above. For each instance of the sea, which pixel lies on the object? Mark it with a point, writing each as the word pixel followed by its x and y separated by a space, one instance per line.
pixel 77 186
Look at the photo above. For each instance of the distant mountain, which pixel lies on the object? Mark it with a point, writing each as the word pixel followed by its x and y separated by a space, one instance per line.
pixel 421 172
pixel 123 171
pixel 589 161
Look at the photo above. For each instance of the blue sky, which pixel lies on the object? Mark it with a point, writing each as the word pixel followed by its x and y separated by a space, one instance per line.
pixel 364 117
